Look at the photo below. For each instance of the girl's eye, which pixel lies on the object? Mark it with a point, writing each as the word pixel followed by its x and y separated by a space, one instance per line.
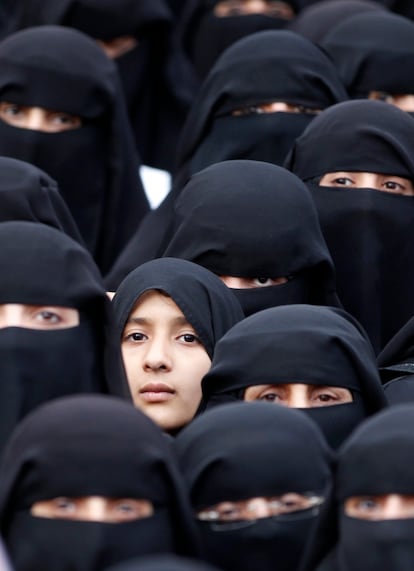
pixel 325 397
pixel 11 109
pixel 136 337
pixel 65 119
pixel 189 338
pixel 66 505
pixel 228 513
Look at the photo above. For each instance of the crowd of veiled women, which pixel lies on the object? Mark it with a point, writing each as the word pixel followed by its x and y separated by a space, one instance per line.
pixel 206 222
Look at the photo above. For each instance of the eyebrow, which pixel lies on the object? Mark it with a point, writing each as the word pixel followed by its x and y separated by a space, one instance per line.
pixel 180 320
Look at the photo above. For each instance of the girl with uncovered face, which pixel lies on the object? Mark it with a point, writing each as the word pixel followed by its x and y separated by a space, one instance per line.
pixel 170 314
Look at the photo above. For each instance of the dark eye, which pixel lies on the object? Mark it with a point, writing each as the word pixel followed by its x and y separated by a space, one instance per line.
pixel 269 397
pixel 48 316
pixel 136 336
pixel 189 338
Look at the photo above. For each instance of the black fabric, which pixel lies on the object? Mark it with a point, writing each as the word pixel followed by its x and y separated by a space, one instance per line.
pixel 299 344
pixel 400 390
pixel 90 446
pixel 163 563
pixel 372 462
pixel 364 61
pixel 367 231
pixel 397 357
pixel 159 83
pixel 42 266
pixel 208 305
pixel 27 193
pixel 316 21
pixel 96 166
pixel 224 456
pixel 252 219
pixel 206 36
pixel 266 67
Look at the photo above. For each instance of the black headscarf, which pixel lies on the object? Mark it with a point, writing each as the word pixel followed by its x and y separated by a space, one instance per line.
pixel 159 84
pixel 368 232
pixel 27 193
pixel 90 446
pixel 252 219
pixel 224 456
pixel 372 462
pixel 95 165
pixel 208 305
pixel 316 21
pixel 265 67
pixel 364 61
pixel 42 266
pixel 299 344
pixel 397 357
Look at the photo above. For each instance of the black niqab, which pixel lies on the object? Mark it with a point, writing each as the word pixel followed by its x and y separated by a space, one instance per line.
pixel 224 456
pixel 299 344
pixel 42 266
pixel 159 84
pixel 368 232
pixel 253 219
pixel 163 563
pixel 95 166
pixel 207 304
pixel 365 62
pixel 317 20
pixel 373 462
pixel 27 193
pixel 91 446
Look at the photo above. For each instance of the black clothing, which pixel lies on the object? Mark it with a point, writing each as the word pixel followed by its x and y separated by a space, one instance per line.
pixel 373 462
pixel 299 344
pixel 255 220
pixel 163 563
pixel 316 21
pixel 91 446
pixel 266 67
pixel 42 266
pixel 207 304
pixel 396 363
pixel 206 36
pixel 368 232
pixel 95 165
pixel 159 84
pixel 27 193
pixel 224 456
pixel 364 61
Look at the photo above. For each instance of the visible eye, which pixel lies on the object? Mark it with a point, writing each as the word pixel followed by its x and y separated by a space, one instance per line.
pixel 270 397
pixel 189 338
pixel 251 110
pixel 393 185
pixel 228 512
pixel 64 505
pixel 65 119
pixel 11 109
pixel 326 397
pixel 48 317
pixel 135 337
pixel 342 181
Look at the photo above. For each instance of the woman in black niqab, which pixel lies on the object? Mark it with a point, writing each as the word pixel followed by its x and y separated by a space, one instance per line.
pixel 159 83
pixel 318 346
pixel 371 465
pixel 368 66
pixel 238 453
pixel 253 220
pixel 82 447
pixel 95 164
pixel 368 232
pixel 317 20
pixel 43 268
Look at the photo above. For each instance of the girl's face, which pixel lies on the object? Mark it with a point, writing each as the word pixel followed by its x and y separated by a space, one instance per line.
pixel 376 508
pixel 164 361
pixel 381 182
pixel 37 316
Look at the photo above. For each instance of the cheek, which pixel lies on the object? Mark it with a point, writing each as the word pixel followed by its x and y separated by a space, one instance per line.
pixel 193 368
pixel 132 362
